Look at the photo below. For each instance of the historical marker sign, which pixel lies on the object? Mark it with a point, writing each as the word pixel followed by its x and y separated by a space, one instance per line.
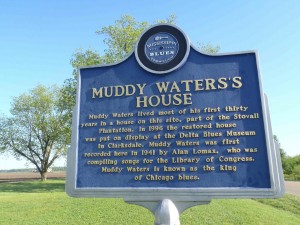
pixel 171 122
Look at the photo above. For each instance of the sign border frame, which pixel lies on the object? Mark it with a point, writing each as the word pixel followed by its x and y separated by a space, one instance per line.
pixel 180 194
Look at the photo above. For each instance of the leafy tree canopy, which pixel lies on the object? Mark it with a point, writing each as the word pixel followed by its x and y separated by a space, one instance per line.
pixel 290 165
pixel 39 127
pixel 120 39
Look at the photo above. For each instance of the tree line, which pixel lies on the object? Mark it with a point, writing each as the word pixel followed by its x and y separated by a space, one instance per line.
pixel 290 164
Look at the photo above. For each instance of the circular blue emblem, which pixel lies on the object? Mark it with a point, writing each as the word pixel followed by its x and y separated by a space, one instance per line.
pixel 161 48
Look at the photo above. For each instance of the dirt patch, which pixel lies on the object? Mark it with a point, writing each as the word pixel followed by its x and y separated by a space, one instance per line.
pixel 24 176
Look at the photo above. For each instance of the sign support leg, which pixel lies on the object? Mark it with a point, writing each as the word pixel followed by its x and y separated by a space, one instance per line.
pixel 166 213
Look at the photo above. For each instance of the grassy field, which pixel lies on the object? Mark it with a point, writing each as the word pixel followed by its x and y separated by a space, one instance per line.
pixel 46 203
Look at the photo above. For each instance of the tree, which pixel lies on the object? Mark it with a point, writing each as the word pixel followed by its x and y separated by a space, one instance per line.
pixel 296 171
pixel 283 154
pixel 208 48
pixel 290 165
pixel 39 128
pixel 284 159
pixel 85 58
pixel 120 39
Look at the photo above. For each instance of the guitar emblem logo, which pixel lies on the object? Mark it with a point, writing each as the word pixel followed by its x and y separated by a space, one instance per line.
pixel 161 48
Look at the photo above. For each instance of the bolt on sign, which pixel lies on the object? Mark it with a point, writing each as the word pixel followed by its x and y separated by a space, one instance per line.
pixel 169 122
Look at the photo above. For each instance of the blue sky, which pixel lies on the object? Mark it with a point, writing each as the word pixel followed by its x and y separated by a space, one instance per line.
pixel 38 38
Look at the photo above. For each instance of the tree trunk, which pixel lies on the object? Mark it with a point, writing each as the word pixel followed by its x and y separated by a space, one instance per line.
pixel 43 176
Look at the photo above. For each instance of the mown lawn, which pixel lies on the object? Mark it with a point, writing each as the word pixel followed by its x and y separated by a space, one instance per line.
pixel 46 203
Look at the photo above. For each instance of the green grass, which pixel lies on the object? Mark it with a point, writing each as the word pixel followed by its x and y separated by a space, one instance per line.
pixel 289 203
pixel 46 203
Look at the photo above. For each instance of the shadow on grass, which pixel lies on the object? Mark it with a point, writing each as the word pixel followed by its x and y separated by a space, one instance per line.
pixel 34 186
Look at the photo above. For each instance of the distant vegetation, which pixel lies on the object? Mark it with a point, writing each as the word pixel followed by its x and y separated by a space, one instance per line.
pixel 290 164
pixel 54 169
pixel 291 167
